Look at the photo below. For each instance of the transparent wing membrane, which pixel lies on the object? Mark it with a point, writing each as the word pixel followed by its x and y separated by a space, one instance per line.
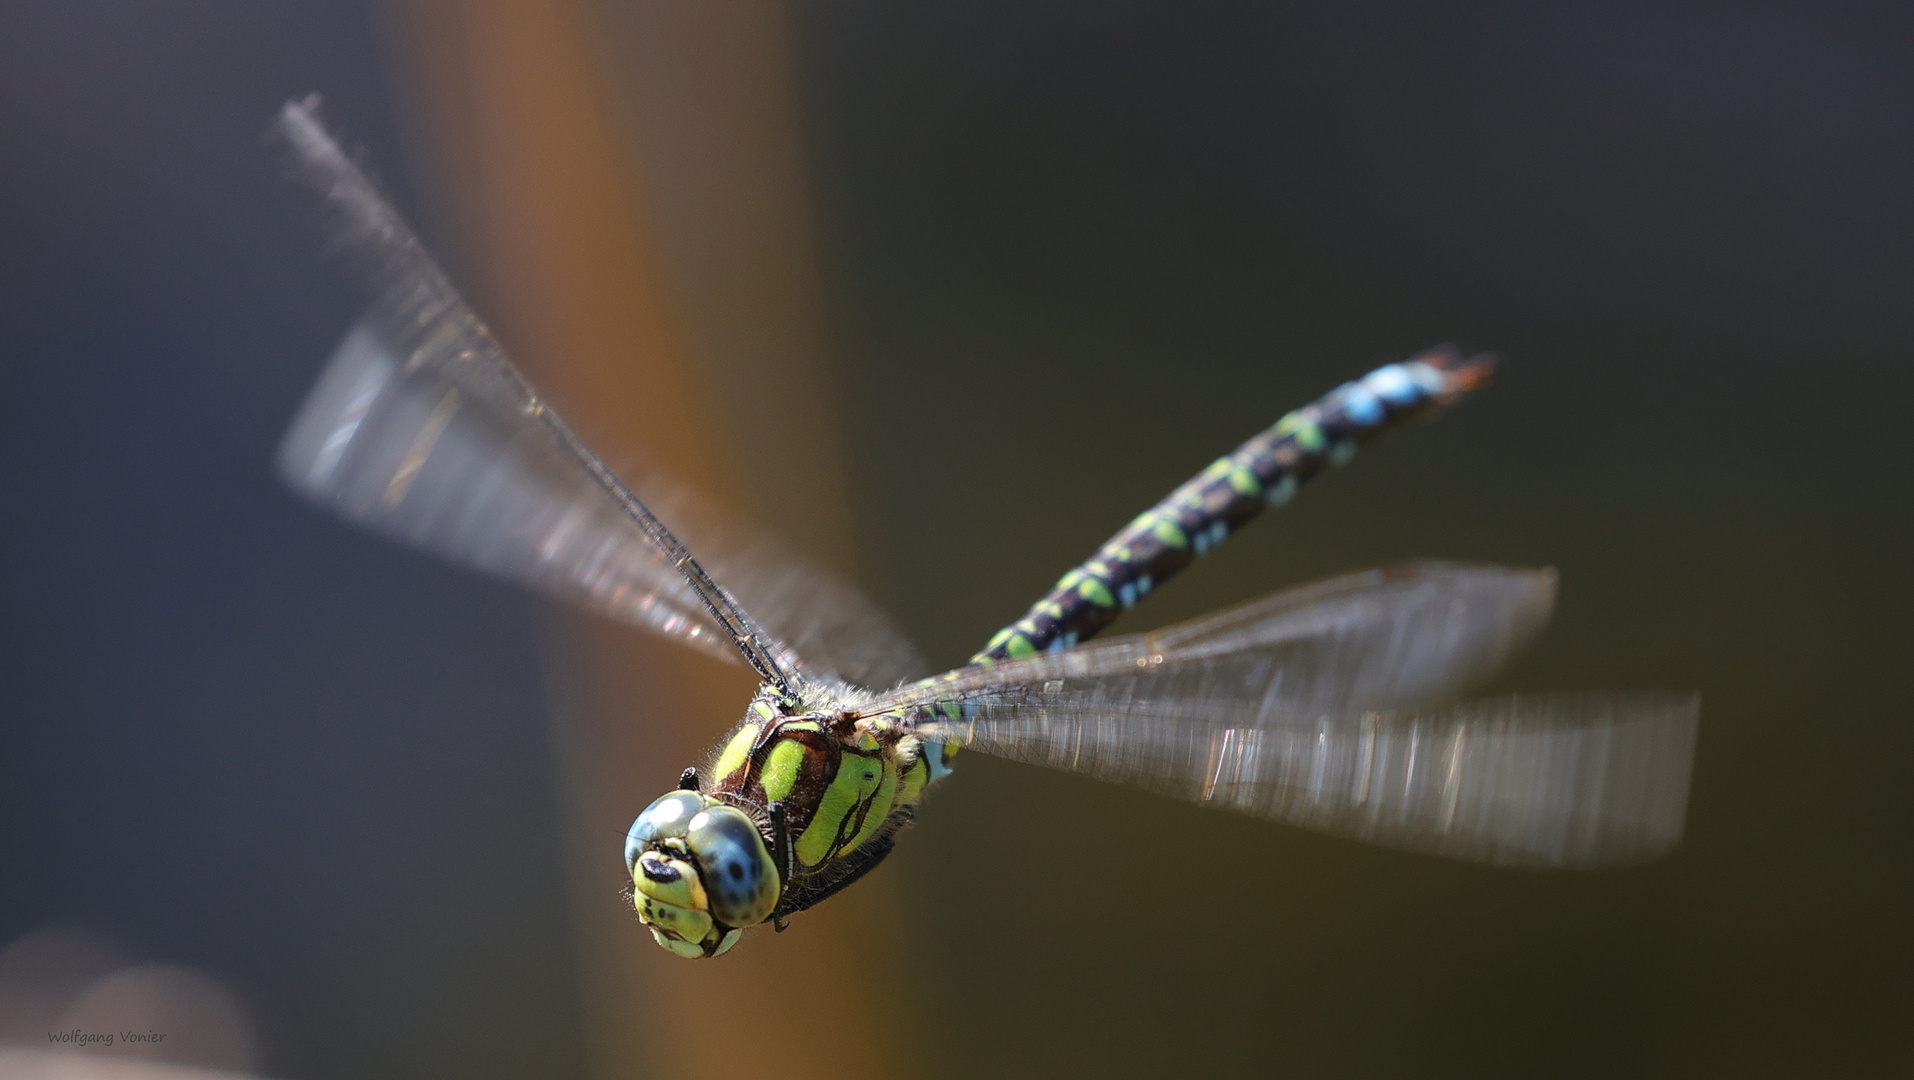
pixel 420 461
pixel 1585 780
pixel 833 628
pixel 422 429
pixel 1307 707
pixel 1372 640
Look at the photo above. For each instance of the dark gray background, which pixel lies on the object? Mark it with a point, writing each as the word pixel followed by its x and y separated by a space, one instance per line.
pixel 1077 250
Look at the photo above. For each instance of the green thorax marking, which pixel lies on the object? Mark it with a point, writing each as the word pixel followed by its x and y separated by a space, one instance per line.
pixel 842 784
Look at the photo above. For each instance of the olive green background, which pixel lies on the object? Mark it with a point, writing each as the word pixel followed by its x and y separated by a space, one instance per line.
pixel 1075 252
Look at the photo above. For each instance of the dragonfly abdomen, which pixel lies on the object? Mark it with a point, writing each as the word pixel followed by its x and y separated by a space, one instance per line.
pixel 1205 510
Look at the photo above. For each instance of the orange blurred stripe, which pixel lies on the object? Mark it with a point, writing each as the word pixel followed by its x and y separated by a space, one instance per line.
pixel 557 211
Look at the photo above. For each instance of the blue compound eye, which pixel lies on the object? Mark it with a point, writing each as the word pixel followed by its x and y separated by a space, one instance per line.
pixel 667 817
pixel 737 871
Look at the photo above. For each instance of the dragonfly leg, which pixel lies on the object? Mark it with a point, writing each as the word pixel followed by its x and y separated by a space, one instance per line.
pixel 781 843
pixel 780 854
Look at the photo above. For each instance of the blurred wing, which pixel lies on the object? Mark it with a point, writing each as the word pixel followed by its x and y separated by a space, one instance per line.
pixel 838 631
pixel 1582 780
pixel 1380 639
pixel 1307 707
pixel 415 458
pixel 421 428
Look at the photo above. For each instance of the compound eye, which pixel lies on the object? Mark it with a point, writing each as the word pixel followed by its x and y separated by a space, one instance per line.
pixel 668 816
pixel 739 877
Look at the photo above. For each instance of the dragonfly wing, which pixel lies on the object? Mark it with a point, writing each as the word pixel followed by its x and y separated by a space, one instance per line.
pixel 837 630
pixel 1379 639
pixel 412 456
pixel 422 429
pixel 1309 707
pixel 1576 780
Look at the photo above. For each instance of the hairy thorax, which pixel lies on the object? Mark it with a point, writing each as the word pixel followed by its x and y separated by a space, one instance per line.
pixel 834 788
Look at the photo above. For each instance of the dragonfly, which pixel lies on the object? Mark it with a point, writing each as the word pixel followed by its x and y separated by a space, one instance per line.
pixel 1335 706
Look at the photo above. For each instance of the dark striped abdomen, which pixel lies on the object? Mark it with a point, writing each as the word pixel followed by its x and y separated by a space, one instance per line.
pixel 1265 471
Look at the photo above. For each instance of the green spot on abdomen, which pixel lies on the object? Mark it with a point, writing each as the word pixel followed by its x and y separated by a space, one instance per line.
pixel 1302 427
pixel 1096 592
pixel 1244 481
pixel 1170 533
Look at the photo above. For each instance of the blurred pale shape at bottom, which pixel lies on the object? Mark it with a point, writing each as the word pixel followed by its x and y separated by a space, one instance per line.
pixel 74 1005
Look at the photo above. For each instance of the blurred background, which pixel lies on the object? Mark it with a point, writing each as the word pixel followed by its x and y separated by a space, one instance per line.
pixel 945 293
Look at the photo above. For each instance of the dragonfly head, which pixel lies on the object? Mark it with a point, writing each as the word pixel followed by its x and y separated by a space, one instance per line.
pixel 700 873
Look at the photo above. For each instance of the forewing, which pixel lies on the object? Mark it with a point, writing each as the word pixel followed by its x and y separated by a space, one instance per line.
pixel 837 630
pixel 421 428
pixel 411 455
